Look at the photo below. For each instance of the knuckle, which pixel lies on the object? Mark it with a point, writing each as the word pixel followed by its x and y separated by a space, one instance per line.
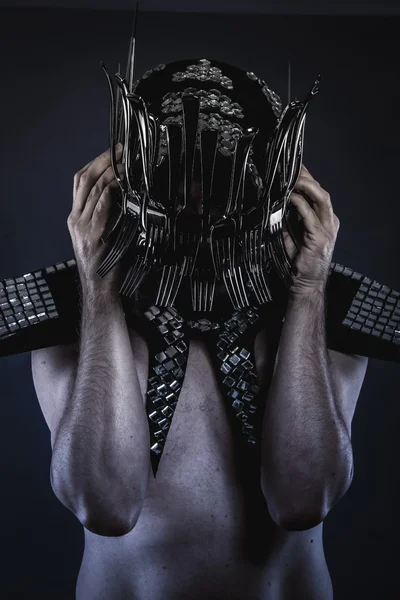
pixel 96 189
pixel 332 237
pixel 100 206
pixel 103 202
pixel 83 178
pixel 95 192
pixel 107 190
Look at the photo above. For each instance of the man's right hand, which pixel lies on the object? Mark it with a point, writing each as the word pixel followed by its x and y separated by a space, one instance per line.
pixel 94 190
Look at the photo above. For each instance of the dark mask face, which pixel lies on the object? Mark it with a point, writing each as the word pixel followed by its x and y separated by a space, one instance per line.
pixel 210 162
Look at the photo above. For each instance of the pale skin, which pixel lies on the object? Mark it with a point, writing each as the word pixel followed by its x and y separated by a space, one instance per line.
pixel 309 400
pixel 181 535
pixel 321 227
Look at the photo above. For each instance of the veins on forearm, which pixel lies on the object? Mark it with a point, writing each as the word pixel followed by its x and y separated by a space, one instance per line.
pixel 304 438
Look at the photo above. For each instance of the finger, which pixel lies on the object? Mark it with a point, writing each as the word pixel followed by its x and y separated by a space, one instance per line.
pixel 304 168
pixel 85 179
pixel 320 199
pixel 306 173
pixel 310 219
pixel 101 212
pixel 106 153
pixel 95 193
pixel 95 168
pixel 82 171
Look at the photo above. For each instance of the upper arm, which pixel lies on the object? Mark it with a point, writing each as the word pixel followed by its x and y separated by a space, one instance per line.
pixel 348 373
pixel 54 372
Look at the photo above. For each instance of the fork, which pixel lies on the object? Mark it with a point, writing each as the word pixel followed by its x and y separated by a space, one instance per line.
pixel 254 261
pixel 224 233
pixel 126 234
pixel 257 243
pixel 129 226
pixel 186 235
pixel 286 146
pixel 223 250
pixel 153 221
pixel 149 249
pixel 203 289
pixel 276 247
pixel 184 258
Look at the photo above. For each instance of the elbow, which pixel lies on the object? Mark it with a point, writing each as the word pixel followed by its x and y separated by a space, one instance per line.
pixel 107 527
pixel 301 522
pixel 299 514
pixel 116 523
pixel 111 519
pixel 291 518
pixel 307 517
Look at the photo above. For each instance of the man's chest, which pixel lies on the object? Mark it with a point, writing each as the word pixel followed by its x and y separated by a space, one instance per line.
pixel 205 494
pixel 201 441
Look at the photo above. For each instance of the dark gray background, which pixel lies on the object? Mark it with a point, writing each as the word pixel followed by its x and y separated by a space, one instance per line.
pixel 303 7
pixel 54 105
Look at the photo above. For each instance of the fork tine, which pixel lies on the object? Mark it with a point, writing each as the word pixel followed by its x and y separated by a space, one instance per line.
pixel 230 291
pixel 169 292
pixel 277 257
pixel 210 298
pixel 121 245
pixel 113 221
pixel 227 273
pixel 247 258
pixel 136 276
pixel 241 297
pixel 174 285
pixel 282 255
pixel 259 268
pixel 144 272
pixel 262 265
pixel 201 291
pixel 194 284
pixel 266 289
pixel 202 283
pixel 129 276
pixel 120 248
pixel 110 260
pixel 191 243
pixel 163 285
pixel 205 292
pixel 206 286
pixel 193 290
pixel 242 287
pixel 199 294
pixel 140 275
pixel 141 267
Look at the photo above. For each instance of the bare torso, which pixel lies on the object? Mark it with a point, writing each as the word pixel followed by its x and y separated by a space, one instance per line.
pixel 201 534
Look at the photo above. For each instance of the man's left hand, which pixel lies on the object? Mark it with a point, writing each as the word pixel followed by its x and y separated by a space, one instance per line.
pixel 321 225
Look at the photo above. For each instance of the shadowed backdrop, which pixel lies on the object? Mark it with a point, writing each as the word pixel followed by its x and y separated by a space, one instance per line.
pixel 54 111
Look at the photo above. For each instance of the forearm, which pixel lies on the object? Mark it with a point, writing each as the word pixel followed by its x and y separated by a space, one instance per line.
pixel 101 458
pixel 306 451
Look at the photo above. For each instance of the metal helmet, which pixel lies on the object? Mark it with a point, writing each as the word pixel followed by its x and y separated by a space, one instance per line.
pixel 210 160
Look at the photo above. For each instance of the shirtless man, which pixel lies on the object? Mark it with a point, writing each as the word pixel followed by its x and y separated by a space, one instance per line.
pixel 195 531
